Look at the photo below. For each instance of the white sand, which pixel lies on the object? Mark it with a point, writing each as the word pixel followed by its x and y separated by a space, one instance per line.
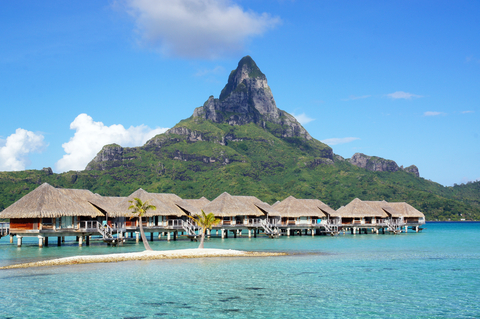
pixel 145 255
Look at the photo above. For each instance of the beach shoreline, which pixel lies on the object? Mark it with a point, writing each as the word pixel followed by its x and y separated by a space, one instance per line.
pixel 145 255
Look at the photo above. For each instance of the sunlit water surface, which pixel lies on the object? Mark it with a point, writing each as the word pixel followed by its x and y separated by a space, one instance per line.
pixel 433 274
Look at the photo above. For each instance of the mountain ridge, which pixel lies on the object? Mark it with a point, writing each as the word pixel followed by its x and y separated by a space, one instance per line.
pixel 243 144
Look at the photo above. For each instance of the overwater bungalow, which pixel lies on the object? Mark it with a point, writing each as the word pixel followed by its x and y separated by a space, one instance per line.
pixel 54 212
pixel 411 216
pixel 242 212
pixel 51 212
pixel 298 215
pixel 169 217
pixel 361 216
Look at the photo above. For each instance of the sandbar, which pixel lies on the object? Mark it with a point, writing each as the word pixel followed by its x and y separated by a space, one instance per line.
pixel 146 255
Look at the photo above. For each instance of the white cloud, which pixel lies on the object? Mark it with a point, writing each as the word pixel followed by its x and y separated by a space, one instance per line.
pixel 197 28
pixel 466 112
pixel 302 118
pixel 403 95
pixel 353 97
pixel 15 149
pixel 430 113
pixel 90 137
pixel 339 140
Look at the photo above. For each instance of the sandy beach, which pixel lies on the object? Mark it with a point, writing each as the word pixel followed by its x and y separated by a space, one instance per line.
pixel 145 255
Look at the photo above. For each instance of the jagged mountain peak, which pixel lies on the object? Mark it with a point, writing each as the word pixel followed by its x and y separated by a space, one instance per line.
pixel 247 98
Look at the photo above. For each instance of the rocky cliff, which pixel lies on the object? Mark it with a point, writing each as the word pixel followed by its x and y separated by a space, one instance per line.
pixel 378 164
pixel 247 98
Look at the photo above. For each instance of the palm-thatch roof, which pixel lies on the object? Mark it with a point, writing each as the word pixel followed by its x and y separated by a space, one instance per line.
pixel 406 210
pixel 292 207
pixel 177 203
pixel 358 209
pixel 106 204
pixel 47 201
pixel 386 207
pixel 327 210
pixel 226 205
pixel 162 209
pixel 262 207
pixel 198 203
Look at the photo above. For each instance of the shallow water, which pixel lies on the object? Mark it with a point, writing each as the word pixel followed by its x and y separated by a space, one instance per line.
pixel 434 274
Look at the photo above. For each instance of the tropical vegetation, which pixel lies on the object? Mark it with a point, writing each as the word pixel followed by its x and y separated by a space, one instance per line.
pixel 139 209
pixel 205 221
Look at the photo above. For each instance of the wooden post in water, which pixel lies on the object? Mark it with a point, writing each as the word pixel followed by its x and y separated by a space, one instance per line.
pixel 63 239
pixel 46 241
pixel 19 241
pixel 249 233
pixel 151 236
pixel 137 237
pixel 40 242
pixel 11 239
pixel 175 233
pixel 87 239
pixel 223 233
pixel 168 236
pixel 80 241
pixel 288 232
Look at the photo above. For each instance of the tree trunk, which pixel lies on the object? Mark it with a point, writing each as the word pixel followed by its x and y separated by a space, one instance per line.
pixel 144 239
pixel 202 239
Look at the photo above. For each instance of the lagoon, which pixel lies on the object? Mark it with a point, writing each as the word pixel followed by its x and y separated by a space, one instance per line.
pixel 432 274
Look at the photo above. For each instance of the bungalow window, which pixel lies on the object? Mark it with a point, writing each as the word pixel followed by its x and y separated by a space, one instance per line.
pixel 47 221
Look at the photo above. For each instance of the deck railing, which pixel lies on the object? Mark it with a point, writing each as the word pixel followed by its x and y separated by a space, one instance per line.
pixel 175 223
pixel 89 224
pixel 4 229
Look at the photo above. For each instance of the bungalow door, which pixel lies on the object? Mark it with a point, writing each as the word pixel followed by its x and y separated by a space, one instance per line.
pixel 67 221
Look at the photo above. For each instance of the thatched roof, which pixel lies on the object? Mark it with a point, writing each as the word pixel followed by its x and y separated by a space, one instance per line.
pixel 176 203
pixel 257 205
pixel 386 207
pixel 198 203
pixel 227 205
pixel 357 209
pixel 292 207
pixel 163 209
pixel 406 210
pixel 107 204
pixel 47 201
pixel 327 210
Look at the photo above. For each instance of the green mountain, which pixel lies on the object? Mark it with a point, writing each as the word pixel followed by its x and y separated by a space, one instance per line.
pixel 243 144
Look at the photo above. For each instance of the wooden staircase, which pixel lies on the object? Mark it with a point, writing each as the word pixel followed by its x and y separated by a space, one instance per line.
pixel 269 229
pixel 190 228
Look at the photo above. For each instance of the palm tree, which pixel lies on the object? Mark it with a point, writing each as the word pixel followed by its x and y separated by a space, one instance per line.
pixel 140 208
pixel 205 222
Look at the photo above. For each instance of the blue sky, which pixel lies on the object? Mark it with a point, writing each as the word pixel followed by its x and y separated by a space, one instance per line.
pixel 395 79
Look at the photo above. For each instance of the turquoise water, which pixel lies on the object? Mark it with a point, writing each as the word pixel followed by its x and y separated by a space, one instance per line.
pixel 434 274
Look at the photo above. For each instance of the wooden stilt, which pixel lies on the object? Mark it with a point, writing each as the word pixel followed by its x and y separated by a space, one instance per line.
pixel 46 241
pixel 175 235
pixel 40 242
pixel 19 241
pixel 80 241
pixel 87 240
